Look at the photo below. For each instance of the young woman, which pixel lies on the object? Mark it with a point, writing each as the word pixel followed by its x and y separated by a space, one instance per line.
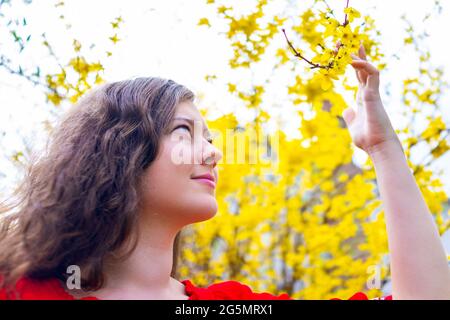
pixel 110 197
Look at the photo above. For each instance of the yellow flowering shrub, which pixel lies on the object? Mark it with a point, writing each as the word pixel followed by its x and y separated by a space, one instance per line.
pixel 309 223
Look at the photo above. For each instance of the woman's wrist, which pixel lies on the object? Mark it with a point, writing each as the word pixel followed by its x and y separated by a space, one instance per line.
pixel 387 150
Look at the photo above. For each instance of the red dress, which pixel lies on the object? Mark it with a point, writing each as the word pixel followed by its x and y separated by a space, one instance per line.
pixel 51 289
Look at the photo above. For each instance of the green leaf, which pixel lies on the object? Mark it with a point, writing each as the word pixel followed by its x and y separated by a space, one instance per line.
pixel 38 72
pixel 16 37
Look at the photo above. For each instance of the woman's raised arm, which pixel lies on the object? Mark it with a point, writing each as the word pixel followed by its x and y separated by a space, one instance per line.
pixel 419 266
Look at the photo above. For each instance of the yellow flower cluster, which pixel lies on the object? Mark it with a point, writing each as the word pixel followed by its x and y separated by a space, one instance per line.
pixel 331 42
pixel 248 35
pixel 78 75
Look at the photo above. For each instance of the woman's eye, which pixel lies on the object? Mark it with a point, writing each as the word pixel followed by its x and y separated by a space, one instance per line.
pixel 210 140
pixel 183 126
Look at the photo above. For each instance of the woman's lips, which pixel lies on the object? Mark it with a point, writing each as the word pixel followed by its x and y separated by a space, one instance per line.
pixel 208 182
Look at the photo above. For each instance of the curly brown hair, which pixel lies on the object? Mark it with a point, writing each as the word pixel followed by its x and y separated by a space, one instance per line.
pixel 78 202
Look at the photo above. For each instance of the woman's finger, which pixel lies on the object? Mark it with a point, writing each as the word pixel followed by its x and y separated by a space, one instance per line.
pixel 373 75
pixel 362 52
pixel 360 75
pixel 357 76
pixel 336 49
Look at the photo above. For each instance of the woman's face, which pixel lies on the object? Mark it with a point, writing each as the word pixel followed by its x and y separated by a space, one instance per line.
pixel 171 192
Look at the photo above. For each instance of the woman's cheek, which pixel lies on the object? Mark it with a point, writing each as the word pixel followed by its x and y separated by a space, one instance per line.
pixel 180 153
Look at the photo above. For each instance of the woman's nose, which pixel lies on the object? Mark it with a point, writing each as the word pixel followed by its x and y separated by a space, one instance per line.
pixel 212 155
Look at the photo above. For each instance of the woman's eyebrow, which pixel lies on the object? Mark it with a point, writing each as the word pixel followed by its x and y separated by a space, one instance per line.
pixel 191 121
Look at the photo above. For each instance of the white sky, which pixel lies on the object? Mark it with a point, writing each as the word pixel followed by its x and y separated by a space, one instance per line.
pixel 161 38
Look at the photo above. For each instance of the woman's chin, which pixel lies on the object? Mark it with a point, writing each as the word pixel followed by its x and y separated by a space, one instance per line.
pixel 204 209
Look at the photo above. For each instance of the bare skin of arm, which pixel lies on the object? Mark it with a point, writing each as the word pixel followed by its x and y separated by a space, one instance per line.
pixel 419 267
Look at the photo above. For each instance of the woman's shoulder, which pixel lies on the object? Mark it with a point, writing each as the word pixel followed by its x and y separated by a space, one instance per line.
pixel 27 288
pixel 234 290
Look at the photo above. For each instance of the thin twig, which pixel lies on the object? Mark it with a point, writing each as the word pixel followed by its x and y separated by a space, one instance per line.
pixel 331 11
pixel 4 64
pixel 297 54
pixel 52 53
pixel 345 19
pixel 316 65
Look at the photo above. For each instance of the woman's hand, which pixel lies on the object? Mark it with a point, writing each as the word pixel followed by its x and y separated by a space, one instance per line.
pixel 369 126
